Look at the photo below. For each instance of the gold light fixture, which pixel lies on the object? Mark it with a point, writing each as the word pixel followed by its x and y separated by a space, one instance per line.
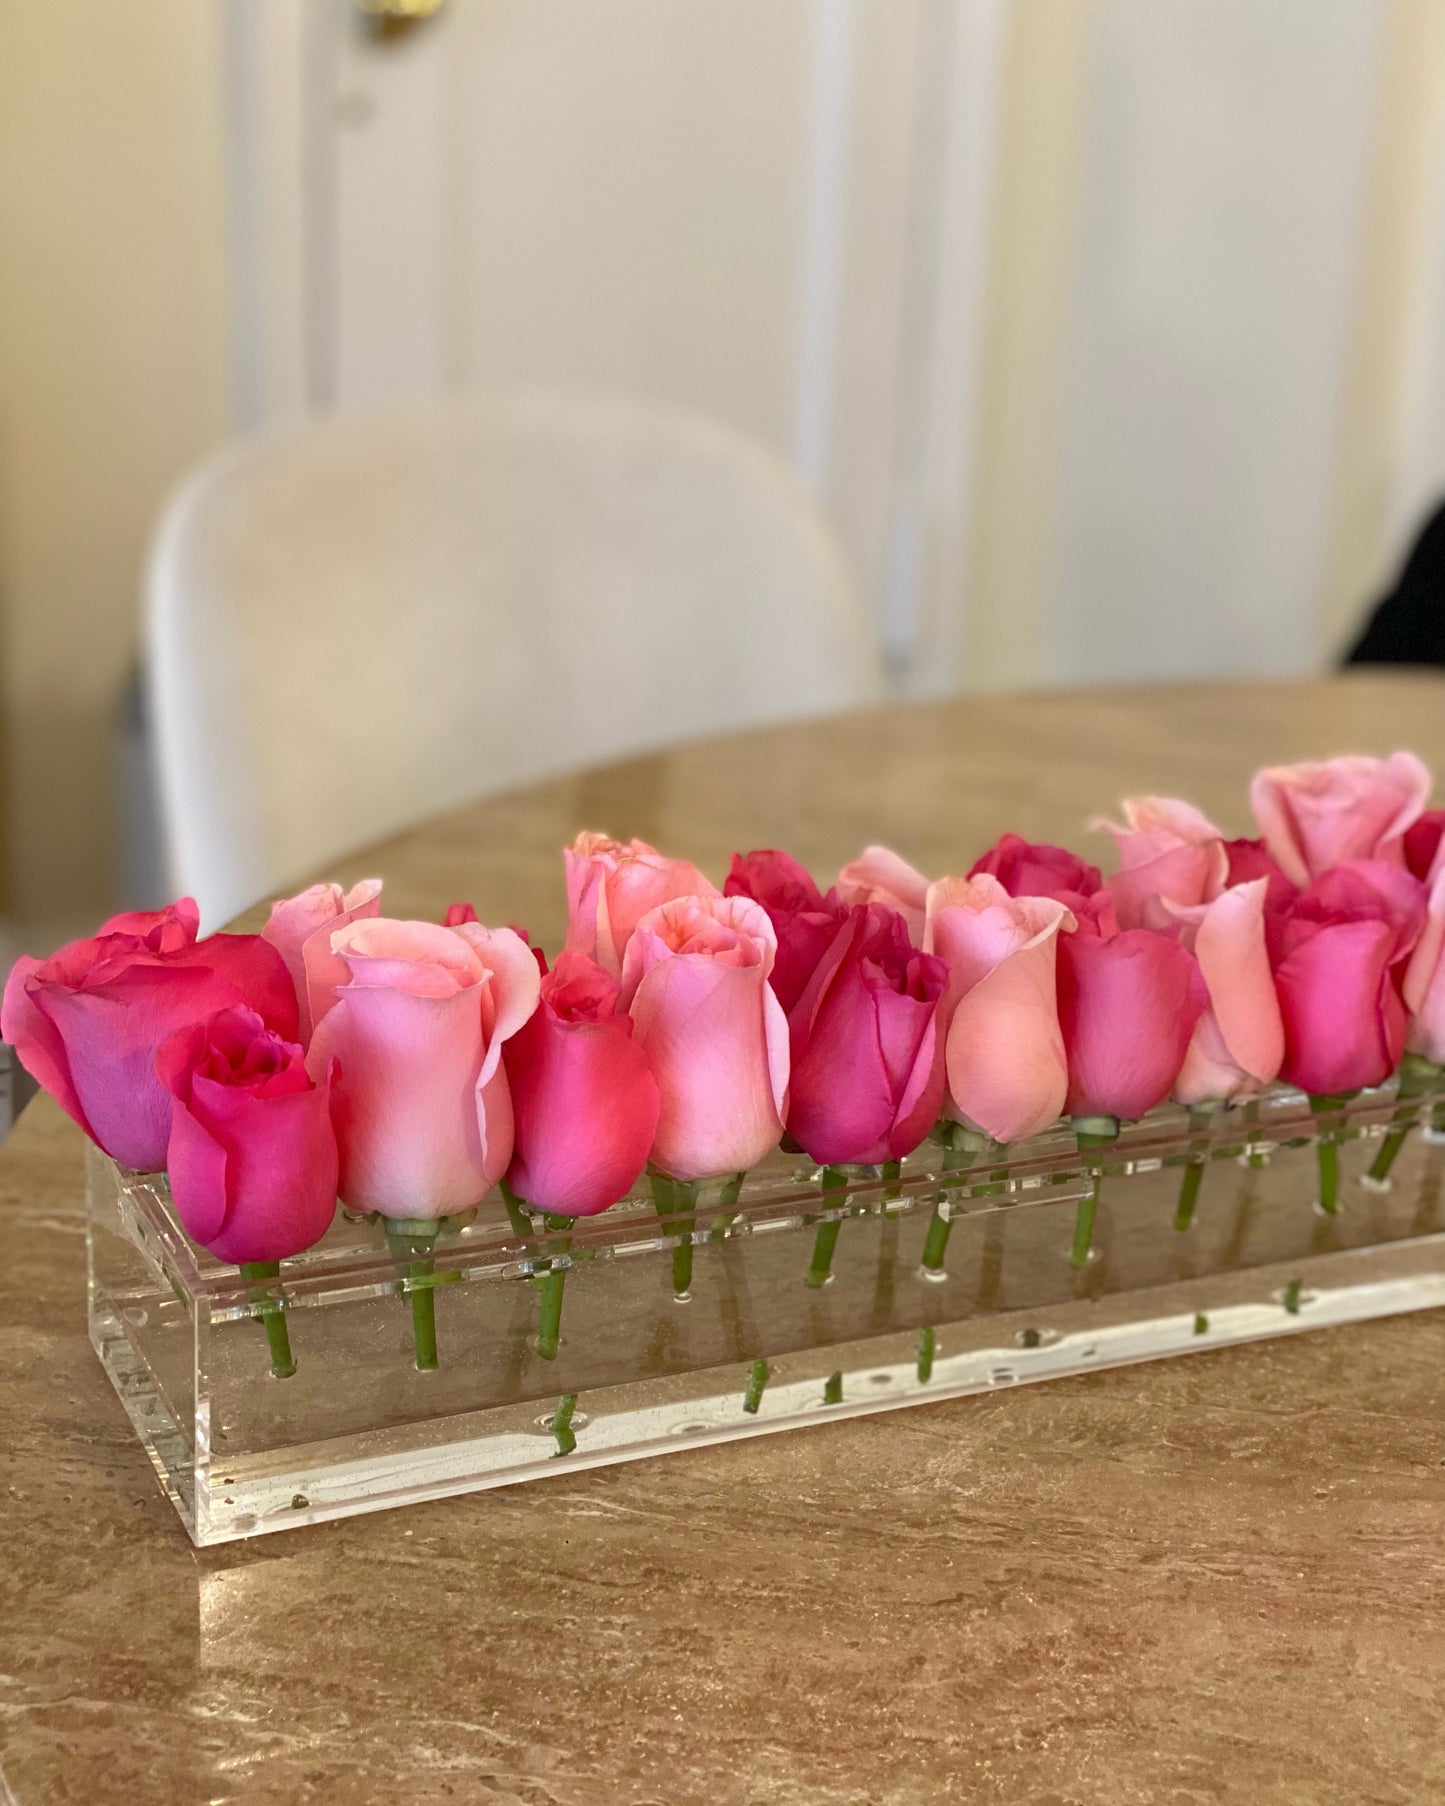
pixel 389 18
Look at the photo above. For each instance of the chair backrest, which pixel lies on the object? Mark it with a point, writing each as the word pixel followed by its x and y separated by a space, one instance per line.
pixel 355 624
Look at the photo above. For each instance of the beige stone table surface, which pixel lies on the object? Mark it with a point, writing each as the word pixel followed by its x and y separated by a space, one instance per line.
pixel 1214 1579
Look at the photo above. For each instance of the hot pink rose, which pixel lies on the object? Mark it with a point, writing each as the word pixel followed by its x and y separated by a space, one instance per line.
pixel 804 920
pixel 1007 1074
pixel 295 921
pixel 252 1156
pixel 1168 852
pixel 1338 953
pixel 1029 869
pixel 88 1021
pixel 585 1101
pixel 1250 859
pixel 867 1078
pixel 1128 1005
pixel 695 981
pixel 879 875
pixel 457 914
pixel 1342 811
pixel 610 887
pixel 1422 845
pixel 422 1108
pixel 1238 1045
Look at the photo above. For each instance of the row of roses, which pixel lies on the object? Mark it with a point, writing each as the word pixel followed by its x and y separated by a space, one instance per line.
pixel 410 1067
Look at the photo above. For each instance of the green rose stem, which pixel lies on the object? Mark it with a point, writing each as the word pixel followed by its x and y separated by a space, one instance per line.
pixel 517 1213
pixel 891 1173
pixel 561 1424
pixel 1200 1117
pixel 673 1199
pixel 256 1274
pixel 412 1239
pixel 728 1199
pixel 757 1379
pixel 1327 1106
pixel 820 1271
pixel 1090 1132
pixel 549 1318
pixel 1418 1077
pixel 961 1147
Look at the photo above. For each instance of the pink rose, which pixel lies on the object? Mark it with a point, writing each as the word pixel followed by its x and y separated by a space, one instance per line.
pixel 1128 1005
pixel 804 920
pixel 1238 1044
pixel 1424 984
pixel 585 1101
pixel 1338 953
pixel 252 1156
pixel 879 875
pixel 610 887
pixel 1341 812
pixel 1028 869
pixel 314 914
pixel 1167 851
pixel 1007 1074
pixel 1422 845
pixel 867 1073
pixel 695 982
pixel 422 1109
pixel 87 1022
pixel 458 914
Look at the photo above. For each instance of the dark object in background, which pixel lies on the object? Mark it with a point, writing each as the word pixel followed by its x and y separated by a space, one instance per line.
pixel 1408 627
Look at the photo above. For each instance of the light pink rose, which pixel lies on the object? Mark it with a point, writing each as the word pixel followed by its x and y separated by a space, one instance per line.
pixel 313 915
pixel 1317 816
pixel 1424 987
pixel 695 981
pixel 1168 852
pixel 422 1110
pixel 1238 1044
pixel 879 875
pixel 610 887
pixel 1004 1054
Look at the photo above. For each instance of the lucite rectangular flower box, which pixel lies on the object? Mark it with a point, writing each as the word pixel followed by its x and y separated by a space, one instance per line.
pixel 754 1345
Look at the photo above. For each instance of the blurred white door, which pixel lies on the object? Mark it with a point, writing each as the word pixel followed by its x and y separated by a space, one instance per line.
pixel 774 210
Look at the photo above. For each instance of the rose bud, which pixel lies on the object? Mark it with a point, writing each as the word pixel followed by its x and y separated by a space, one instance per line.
pixel 252 1157
pixel 610 887
pixel 586 1107
pixel 1168 852
pixel 804 920
pixel 867 1073
pixel 1238 1043
pixel 695 981
pixel 316 912
pixel 1128 1005
pixel 422 1109
pixel 1340 812
pixel 87 1022
pixel 1029 869
pixel 1004 1051
pixel 879 875
pixel 583 1095
pixel 1338 953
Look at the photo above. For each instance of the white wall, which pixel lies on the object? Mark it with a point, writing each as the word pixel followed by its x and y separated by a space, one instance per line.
pixel 1225 154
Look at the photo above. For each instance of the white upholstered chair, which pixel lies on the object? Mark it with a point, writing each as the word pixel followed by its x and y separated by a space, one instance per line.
pixel 354 624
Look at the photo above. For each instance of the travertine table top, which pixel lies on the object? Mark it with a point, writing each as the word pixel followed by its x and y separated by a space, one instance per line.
pixel 1220 1578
